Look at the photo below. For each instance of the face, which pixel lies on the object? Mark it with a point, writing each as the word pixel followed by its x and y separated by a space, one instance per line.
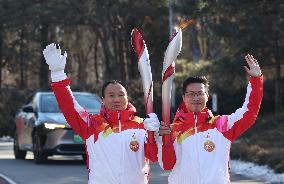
pixel 115 97
pixel 195 97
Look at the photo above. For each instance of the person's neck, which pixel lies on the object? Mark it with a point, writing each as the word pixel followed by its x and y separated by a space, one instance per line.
pixel 196 111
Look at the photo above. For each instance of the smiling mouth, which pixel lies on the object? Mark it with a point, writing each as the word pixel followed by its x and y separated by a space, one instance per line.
pixel 116 106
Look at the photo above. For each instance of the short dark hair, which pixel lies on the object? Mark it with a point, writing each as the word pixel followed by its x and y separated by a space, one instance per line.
pixel 112 82
pixel 195 79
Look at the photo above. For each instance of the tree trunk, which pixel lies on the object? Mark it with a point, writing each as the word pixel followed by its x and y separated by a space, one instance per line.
pixel 122 64
pixel 43 73
pixel 96 60
pixel 203 40
pixel 22 63
pixel 278 98
pixel 115 45
pixel 82 61
pixel 1 53
pixel 109 57
pixel 133 60
pixel 82 74
pixel 127 48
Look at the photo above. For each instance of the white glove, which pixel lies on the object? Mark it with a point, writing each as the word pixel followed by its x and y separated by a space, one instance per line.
pixel 152 123
pixel 56 62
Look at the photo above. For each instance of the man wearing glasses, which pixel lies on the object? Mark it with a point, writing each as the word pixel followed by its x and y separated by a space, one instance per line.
pixel 198 145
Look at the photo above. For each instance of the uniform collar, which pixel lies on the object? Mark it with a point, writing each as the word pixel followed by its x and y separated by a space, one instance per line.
pixel 123 115
pixel 189 117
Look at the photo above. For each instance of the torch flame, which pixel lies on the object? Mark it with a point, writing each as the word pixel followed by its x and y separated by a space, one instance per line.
pixel 186 22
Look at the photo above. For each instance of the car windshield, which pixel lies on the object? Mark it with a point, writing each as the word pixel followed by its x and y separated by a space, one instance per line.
pixel 90 102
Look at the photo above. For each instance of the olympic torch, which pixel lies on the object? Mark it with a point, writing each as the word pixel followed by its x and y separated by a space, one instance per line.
pixel 171 54
pixel 144 68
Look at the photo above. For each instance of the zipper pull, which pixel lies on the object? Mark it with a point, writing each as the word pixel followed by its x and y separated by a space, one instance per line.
pixel 119 123
pixel 195 123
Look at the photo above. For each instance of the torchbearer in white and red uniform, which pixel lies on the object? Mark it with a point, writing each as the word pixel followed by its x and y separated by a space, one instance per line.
pixel 116 143
pixel 198 152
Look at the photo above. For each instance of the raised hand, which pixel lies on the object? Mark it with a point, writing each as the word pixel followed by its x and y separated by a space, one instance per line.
pixel 54 59
pixel 253 68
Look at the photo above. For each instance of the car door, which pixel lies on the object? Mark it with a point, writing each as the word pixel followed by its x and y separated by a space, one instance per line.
pixel 20 129
pixel 29 122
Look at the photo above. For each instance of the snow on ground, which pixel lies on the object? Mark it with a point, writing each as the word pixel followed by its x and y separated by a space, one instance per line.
pixel 254 171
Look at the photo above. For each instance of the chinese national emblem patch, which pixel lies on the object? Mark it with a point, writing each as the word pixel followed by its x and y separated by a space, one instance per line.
pixel 134 145
pixel 208 144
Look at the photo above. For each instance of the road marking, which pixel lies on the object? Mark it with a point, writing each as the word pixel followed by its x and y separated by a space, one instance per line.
pixel 7 179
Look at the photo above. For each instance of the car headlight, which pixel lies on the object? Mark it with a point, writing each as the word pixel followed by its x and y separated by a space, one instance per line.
pixel 53 126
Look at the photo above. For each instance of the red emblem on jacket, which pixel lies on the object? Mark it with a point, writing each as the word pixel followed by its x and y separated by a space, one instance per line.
pixel 209 145
pixel 134 145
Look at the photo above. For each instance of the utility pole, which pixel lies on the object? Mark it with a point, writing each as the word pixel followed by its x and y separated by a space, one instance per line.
pixel 214 103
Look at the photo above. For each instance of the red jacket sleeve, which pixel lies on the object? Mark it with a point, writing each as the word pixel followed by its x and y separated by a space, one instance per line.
pixel 76 116
pixel 151 151
pixel 167 153
pixel 232 126
pixel 168 156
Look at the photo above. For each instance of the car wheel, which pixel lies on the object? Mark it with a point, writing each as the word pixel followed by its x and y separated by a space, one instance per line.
pixel 19 154
pixel 39 156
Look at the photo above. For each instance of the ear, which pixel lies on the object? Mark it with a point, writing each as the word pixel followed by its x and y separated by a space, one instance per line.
pixel 207 96
pixel 183 98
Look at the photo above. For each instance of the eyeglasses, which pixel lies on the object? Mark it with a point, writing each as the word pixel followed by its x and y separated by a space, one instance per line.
pixel 193 94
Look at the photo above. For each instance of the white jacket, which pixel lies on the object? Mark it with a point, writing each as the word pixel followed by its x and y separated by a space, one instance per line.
pixel 115 141
pixel 199 146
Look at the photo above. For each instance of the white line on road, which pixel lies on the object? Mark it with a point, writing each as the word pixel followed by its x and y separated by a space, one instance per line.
pixel 7 179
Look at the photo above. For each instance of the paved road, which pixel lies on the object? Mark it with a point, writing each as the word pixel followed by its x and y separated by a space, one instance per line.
pixel 65 170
